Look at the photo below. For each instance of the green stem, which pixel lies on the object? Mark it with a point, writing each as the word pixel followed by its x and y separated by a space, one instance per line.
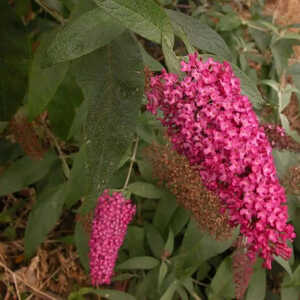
pixel 132 160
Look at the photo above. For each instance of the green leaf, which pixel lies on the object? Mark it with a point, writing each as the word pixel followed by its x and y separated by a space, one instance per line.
pixel 288 291
pixel 284 263
pixel 169 247
pixel 229 22
pixel 112 82
pixel 247 85
pixel 284 160
pixel 43 82
pixel 81 7
pixel 296 276
pixel 193 254
pixel 167 43
pixel 179 219
pixel 201 35
pixel 14 60
pixel 62 108
pixel 163 270
pixel 257 285
pixel 149 61
pixel 294 71
pixel 139 263
pixel 106 293
pixel 82 245
pixel 144 17
pixel 77 127
pixel 284 99
pixel 43 217
pixel 271 83
pixel 90 31
pixel 222 284
pixel 9 151
pixel 164 212
pixel 282 50
pixel 168 294
pixel 24 172
pixel 146 190
pixel 135 241
pixel 144 130
pixel 155 240
pixel 183 294
pixel 261 38
pixel 77 185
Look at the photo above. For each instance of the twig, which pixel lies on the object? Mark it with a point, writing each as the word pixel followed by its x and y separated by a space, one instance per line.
pixel 13 274
pixel 132 160
pixel 46 281
pixel 16 286
pixel 66 168
pixel 54 13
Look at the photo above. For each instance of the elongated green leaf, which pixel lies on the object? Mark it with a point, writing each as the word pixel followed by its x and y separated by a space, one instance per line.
pixel 289 291
pixel 149 61
pixel 155 240
pixel 222 283
pixel 168 294
pixel 169 247
pixel 163 270
pixel 146 190
pixel 139 263
pixel 167 43
pixel 284 160
pixel 228 22
pixel 285 264
pixel 24 172
pixel 82 245
pixel 85 34
pixel 201 35
pixel 14 61
pixel 43 82
pixel 112 82
pixel 257 285
pixel 284 97
pixel 144 17
pixel 43 217
pixel 196 248
pixel 9 151
pixel 282 50
pixel 179 219
pixel 77 185
pixel 262 39
pixel 164 212
pixel 271 83
pixel 135 241
pixel 62 108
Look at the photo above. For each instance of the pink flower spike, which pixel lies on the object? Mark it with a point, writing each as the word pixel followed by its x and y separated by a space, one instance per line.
pixel 214 126
pixel 112 216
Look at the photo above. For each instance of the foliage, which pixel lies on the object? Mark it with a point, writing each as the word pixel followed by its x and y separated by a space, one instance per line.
pixel 75 71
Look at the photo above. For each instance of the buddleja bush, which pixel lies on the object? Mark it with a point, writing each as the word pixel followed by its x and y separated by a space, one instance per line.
pixel 190 209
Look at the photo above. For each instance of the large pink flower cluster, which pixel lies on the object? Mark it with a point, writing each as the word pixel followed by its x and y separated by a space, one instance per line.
pixel 214 126
pixel 112 216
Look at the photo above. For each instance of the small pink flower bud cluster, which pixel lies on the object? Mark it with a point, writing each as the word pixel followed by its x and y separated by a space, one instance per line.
pixel 214 126
pixel 112 216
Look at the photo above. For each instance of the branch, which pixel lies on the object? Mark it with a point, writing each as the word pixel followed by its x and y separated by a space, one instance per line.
pixel 132 160
pixel 54 13
pixel 14 276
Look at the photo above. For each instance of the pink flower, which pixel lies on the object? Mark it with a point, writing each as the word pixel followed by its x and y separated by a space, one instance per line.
pixel 112 216
pixel 213 125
